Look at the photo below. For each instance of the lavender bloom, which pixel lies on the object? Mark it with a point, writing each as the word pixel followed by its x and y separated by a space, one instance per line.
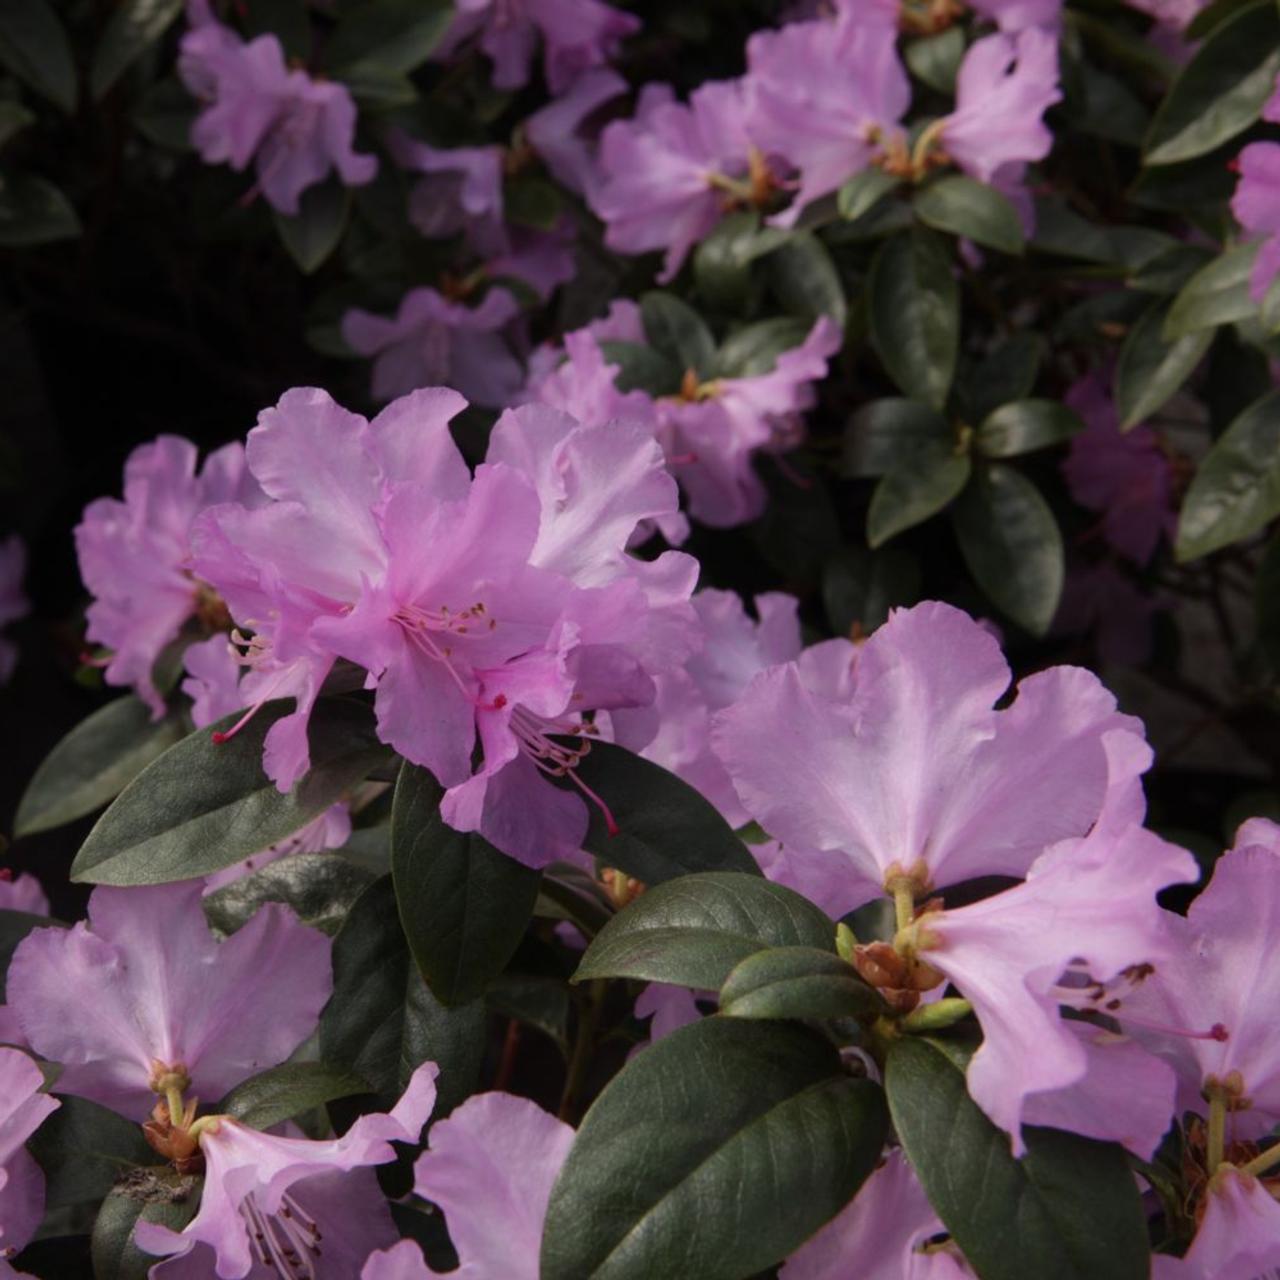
pixel 1256 205
pixel 23 1108
pixel 556 132
pixel 1238 1237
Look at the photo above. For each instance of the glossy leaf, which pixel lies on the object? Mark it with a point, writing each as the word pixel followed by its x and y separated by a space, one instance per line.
pixel 971 209
pixel 1236 488
pixel 805 280
pixel 915 315
pixel 1012 545
pixel 641 368
pixel 1069 1208
pixel 935 59
pixel 463 905
pixel 1024 425
pixel 677 332
pixel 1217 294
pixel 864 191
pixel 1151 369
pixel 889 433
pixel 83 1149
pixel 281 1093
pixel 34 46
pixel 94 763
pixel 860 586
pixel 151 1195
pixel 314 232
pixel 204 805
pixel 722 262
pixel 695 930
pixel 681 1164
pixel 1007 373
pixel 915 490
pixel 796 982
pixel 134 26
pixel 395 35
pixel 754 349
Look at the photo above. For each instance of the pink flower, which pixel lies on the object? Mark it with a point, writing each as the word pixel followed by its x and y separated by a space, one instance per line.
pixel 490 1167
pixel 13 601
pixel 669 173
pixel 268 1200
pixel 668 1007
pixel 880 1235
pixel 22 893
pixel 1086 909
pixel 911 772
pixel 23 1109
pixel 143 991
pixel 1127 477
pixel 558 131
pixel 827 96
pixel 1238 1237
pixel 543 260
pixel 462 192
pixel 331 830
pixel 298 128
pixel 576 35
pixel 1256 205
pixel 135 555
pixel 1102 599
pixel 432 341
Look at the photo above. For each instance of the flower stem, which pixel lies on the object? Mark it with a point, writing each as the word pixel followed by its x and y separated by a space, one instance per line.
pixel 1217 1145
pixel 904 901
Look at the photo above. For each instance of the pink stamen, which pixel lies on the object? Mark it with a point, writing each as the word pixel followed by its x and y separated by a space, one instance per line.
pixel 1216 1032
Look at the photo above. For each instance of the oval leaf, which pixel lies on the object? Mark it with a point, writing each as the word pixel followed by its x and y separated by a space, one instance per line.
pixel 915 315
pixel 150 1195
pixel 1024 425
pixel 94 763
pixel 463 905
pixel 675 330
pixel 1012 545
pixel 887 433
pixel 1217 294
pixel 971 209
pixel 859 587
pixel 395 35
pixel 796 982
pixel 33 211
pixel 34 46
pixel 805 280
pixel 313 233
pixel 864 191
pixel 1151 369
pixel 1069 1208
pixel 914 491
pixel 280 1093
pixel 1236 489
pixel 135 25
pixel 203 805
pixel 683 1163
pixel 695 930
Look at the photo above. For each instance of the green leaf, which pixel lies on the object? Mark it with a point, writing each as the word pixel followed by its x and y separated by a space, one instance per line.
pixel 1024 425
pixel 34 46
pixel 754 349
pixel 1236 488
pixel 967 208
pixel 664 827
pixel 890 433
pixel 804 279
pixel 695 930
pixel 1211 16
pixel 281 1093
pixel 394 35
pixel 382 1021
pixel 680 1166
pixel 541 1002
pixel 33 211
pixel 915 490
pixel 796 982
pixel 204 805
pixel 319 888
pixel 915 315
pixel 864 191
pixel 1101 104
pixel 859 587
pixel 1169 271
pixel 14 926
pixel 94 763
pixel 375 88
pixel 83 1148
pixel 165 113
pixel 151 1195
pixel 722 262
pixel 1222 90
pixel 530 201
pixel 313 233
pixel 1007 373
pixel 936 59
pixel 1150 369
pixel 464 906
pixel 1012 545
pixel 14 117
pixel 675 330
pixel 1069 1209
pixel 641 368
pixel 134 26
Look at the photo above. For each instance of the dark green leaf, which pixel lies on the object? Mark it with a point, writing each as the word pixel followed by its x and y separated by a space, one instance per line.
pixel 936 59
pixel 281 1093
pixel 1236 489
pixel 152 1195
pixel 890 433
pixel 287 20
pixel 1150 369
pixel 1012 545
pixel 675 330
pixel 915 490
pixel 915 315
pixel 1101 104
pixel 1202 184
pixel 722 262
pixel 165 113
pixel 804 279
pixel 541 1002
pixel 1007 373
pixel 394 35
pixel 375 88
pixel 203 805
pixel 1167 272
pixel 967 208
pixel 664 827
pixel 1024 425
pixel 1211 16
pixel 641 368
pixel 1069 1209
pixel 859 587
pixel 134 26
pixel 83 1148
pixel 319 888
pixel 33 211
pixel 34 46
pixel 754 349
pixel 14 117
pixel 94 763
pixel 1222 90
pixel 693 931
pixel 463 905
pixel 313 233
pixel 864 191
pixel 796 982
pixel 382 1020
pixel 681 1164
pixel 532 202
